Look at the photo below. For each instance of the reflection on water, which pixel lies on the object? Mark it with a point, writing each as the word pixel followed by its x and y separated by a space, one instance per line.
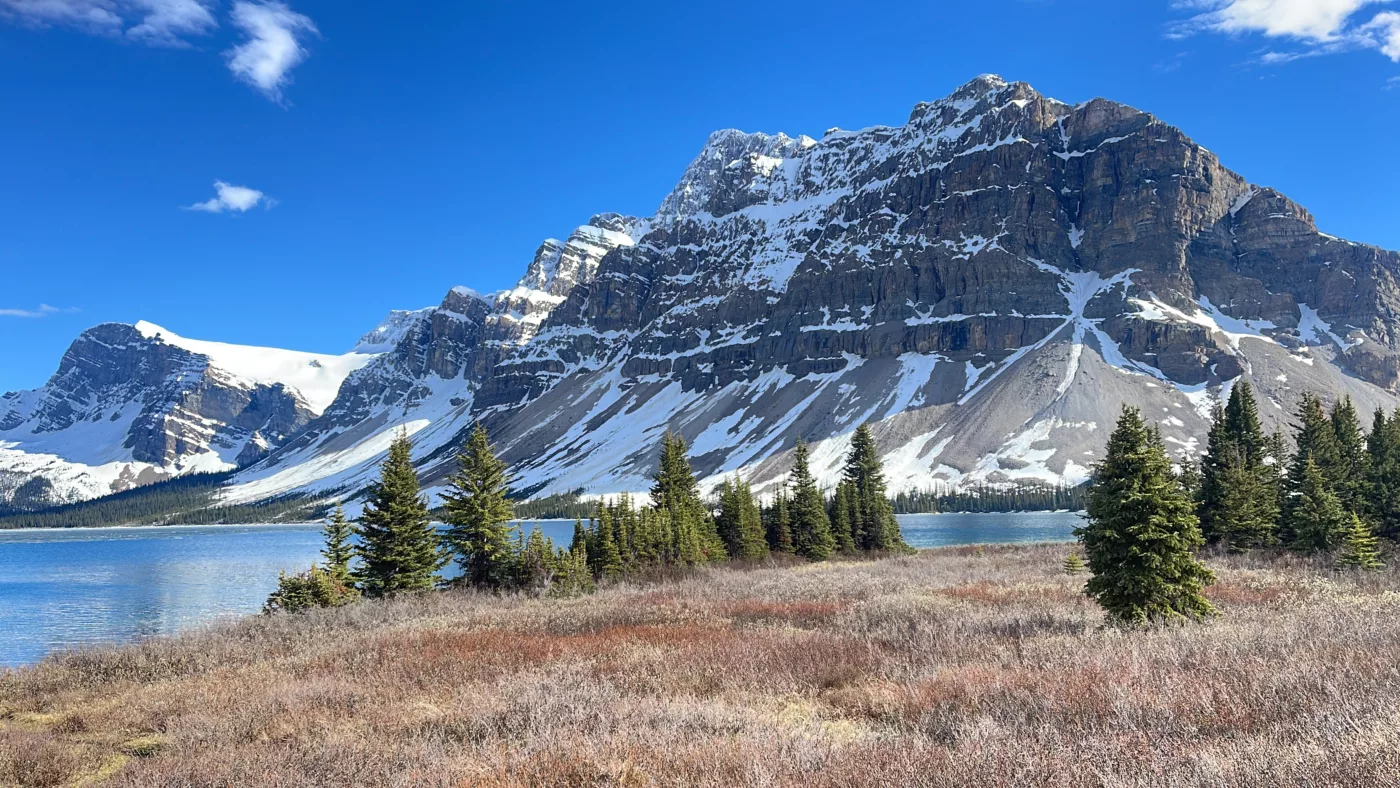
pixel 64 588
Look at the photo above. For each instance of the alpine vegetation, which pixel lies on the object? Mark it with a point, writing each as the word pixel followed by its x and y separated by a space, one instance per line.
pixel 1331 493
pixel 981 284
pixel 1142 533
pixel 400 551
pixel 399 548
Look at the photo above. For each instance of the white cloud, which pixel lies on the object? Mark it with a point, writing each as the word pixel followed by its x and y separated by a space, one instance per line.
pixel 169 21
pixel 228 197
pixel 273 47
pixel 1385 30
pixel 1317 27
pixel 43 310
pixel 154 22
pixel 1312 20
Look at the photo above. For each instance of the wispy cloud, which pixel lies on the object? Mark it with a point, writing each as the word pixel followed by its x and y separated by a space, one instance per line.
pixel 43 310
pixel 238 199
pixel 274 47
pixel 153 22
pixel 170 21
pixel 1385 28
pixel 1310 27
pixel 272 35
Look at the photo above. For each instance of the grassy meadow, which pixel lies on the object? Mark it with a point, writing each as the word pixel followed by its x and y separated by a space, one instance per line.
pixel 954 667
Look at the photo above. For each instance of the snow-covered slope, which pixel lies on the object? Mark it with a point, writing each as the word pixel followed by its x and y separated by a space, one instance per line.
pixel 986 285
pixel 315 377
pixel 133 404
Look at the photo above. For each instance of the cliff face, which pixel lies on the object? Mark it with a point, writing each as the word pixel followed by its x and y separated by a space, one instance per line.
pixel 986 284
pixel 134 404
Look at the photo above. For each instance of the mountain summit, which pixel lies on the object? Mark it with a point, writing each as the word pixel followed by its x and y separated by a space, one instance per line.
pixel 985 284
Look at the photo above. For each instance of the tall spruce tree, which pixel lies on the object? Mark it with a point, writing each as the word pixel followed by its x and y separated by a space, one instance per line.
pixel 1238 501
pixel 739 523
pixel 811 531
pixel 338 551
pixel 607 558
pixel 1353 463
pixel 840 515
pixel 1316 443
pixel 399 548
pixel 1141 533
pixel 1383 459
pixel 477 509
pixel 873 524
pixel 1318 517
pixel 777 525
pixel 676 491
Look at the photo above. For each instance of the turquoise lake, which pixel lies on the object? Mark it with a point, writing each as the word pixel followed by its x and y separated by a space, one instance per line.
pixel 65 588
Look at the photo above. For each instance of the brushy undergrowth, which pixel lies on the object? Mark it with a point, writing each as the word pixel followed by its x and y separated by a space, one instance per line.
pixel 955 667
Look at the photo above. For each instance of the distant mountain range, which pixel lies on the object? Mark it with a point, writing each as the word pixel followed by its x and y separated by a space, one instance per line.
pixel 985 285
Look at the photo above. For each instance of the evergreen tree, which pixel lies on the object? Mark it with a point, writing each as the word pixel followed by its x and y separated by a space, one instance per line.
pixel 873 523
pixel 1247 516
pixel 1316 444
pixel 338 551
pixel 535 564
pixel 1141 532
pixel 1242 422
pixel 840 516
pixel 1073 563
pixel 1212 494
pixel 580 540
pixel 398 546
pixel 739 523
pixel 572 578
pixel 1353 462
pixel 314 588
pixel 676 491
pixel 811 531
pixel 1318 518
pixel 1383 460
pixel 1359 547
pixel 477 509
pixel 1238 501
pixel 608 558
pixel 778 525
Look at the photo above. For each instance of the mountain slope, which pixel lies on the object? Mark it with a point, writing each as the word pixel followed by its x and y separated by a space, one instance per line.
pixel 986 284
pixel 130 405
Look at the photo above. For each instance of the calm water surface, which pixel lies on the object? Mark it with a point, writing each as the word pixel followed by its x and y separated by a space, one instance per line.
pixel 66 588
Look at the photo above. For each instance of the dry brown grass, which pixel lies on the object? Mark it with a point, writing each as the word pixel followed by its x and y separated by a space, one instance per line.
pixel 954 667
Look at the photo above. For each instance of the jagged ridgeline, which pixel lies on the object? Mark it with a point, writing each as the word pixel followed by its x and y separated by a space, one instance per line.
pixel 985 285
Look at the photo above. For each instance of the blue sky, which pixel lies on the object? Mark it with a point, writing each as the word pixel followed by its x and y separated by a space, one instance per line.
pixel 372 156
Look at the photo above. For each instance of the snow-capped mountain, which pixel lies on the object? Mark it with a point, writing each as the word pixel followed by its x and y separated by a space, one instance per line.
pixel 985 284
pixel 134 404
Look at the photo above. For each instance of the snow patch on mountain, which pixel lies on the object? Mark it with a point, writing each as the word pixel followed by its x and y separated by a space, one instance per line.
pixel 315 376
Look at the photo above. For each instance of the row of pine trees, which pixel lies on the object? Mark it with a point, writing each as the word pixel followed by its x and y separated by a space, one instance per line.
pixel 1146 519
pixel 395 547
pixel 1334 493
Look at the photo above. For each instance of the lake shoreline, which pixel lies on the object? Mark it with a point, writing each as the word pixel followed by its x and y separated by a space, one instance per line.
pixel 72 587
pixel 864 668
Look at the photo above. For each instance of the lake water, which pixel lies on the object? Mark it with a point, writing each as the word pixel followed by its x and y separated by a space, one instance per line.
pixel 65 588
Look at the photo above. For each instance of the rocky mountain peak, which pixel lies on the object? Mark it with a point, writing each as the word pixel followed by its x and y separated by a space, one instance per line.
pixel 558 265
pixel 385 336
pixel 985 285
pixel 703 185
